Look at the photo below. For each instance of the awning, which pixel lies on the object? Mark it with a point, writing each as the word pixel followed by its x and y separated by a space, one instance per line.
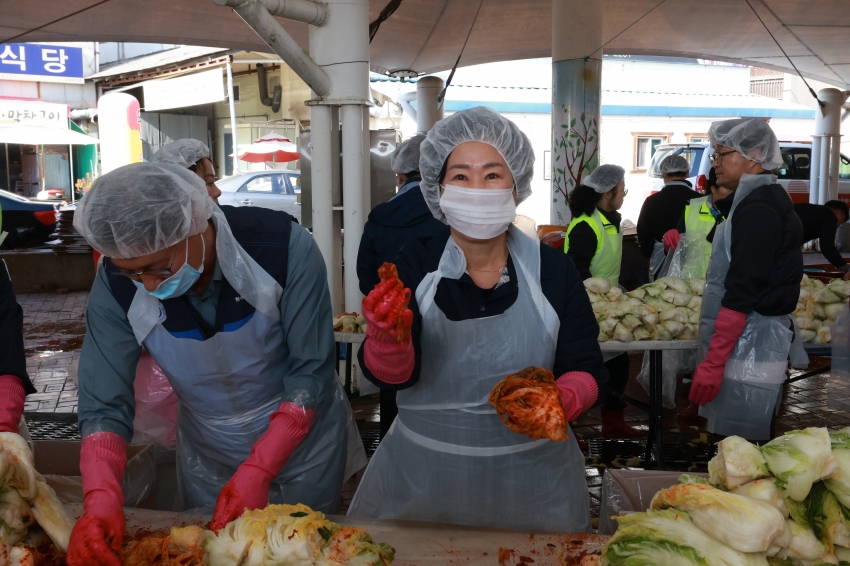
pixel 30 135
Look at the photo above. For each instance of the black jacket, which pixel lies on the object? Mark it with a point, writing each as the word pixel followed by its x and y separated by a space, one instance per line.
pixel 661 212
pixel 819 224
pixel 13 361
pixel 583 243
pixel 767 257
pixel 390 226
pixel 461 299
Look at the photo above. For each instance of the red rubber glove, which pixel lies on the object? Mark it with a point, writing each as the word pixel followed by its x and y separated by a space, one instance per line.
pixel 578 392
pixel 671 240
pixel 12 398
pixel 709 374
pixel 97 537
pixel 385 310
pixel 385 358
pixel 249 486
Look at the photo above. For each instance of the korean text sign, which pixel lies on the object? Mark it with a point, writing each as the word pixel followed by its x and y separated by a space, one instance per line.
pixel 46 63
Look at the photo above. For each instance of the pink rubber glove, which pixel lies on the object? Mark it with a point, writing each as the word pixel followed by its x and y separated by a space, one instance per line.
pixel 671 240
pixel 12 398
pixel 98 535
pixel 709 374
pixel 385 358
pixel 249 486
pixel 578 392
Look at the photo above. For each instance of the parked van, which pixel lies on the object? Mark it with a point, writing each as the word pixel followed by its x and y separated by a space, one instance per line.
pixel 793 174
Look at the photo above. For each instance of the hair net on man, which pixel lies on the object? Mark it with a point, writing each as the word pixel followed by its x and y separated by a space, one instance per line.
pixel 143 208
pixel 673 164
pixel 751 137
pixel 477 124
pixel 604 178
pixel 406 156
pixel 184 153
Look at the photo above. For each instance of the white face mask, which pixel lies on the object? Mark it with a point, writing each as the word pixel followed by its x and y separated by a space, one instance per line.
pixel 478 213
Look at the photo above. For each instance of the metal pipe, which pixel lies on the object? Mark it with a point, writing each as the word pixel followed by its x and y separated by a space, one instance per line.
pixel 367 163
pixel 263 23
pixel 233 144
pixel 814 170
pixel 823 186
pixel 84 114
pixel 428 108
pixel 307 11
pixel 834 161
pixel 321 170
pixel 71 164
pixel 352 198
pixel 405 100
pixel 8 171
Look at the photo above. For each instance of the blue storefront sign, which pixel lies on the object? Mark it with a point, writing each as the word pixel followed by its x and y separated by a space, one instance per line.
pixel 44 63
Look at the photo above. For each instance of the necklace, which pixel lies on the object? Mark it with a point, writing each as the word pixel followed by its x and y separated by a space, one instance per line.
pixel 507 253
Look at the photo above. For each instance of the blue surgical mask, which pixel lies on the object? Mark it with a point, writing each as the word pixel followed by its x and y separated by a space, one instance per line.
pixel 180 282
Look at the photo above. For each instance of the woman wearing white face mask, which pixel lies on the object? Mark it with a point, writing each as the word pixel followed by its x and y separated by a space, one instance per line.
pixel 489 301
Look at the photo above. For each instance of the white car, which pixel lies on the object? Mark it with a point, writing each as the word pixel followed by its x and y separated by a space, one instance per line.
pixel 793 174
pixel 278 190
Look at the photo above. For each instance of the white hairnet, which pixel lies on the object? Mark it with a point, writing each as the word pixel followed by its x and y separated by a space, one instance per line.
pixel 142 208
pixel 406 155
pixel 674 164
pixel 604 178
pixel 751 137
pixel 183 153
pixel 479 124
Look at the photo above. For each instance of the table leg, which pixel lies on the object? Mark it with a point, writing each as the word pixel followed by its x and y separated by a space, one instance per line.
pixel 650 412
pixel 657 378
pixel 348 350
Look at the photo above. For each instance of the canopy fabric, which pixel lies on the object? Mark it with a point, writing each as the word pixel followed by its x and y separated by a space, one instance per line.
pixel 269 150
pixel 31 135
pixel 273 136
pixel 427 35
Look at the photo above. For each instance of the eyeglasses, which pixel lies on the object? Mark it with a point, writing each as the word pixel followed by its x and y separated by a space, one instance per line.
pixel 137 275
pixel 717 156
pixel 625 192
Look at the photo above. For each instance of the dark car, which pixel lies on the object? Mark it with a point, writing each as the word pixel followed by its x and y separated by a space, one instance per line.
pixel 28 222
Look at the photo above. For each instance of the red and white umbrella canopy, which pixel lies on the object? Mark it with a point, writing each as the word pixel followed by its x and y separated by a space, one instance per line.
pixel 270 147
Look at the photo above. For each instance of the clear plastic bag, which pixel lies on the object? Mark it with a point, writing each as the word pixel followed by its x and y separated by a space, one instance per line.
pixel 838 389
pixel 673 362
pixel 156 405
pixel 761 354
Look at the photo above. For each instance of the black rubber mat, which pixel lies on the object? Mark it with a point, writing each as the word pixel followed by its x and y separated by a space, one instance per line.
pixel 53 426
pixel 685 453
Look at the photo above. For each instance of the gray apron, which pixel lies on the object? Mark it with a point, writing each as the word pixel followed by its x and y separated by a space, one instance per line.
pixel 448 458
pixel 656 261
pixel 228 386
pixel 754 373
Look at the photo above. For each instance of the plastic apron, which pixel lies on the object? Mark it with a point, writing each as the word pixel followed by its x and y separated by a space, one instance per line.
pixel 698 223
pixel 609 249
pixel 229 384
pixel 755 371
pixel 448 457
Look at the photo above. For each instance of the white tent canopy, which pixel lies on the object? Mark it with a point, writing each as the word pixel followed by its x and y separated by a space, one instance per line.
pixel 31 135
pixel 427 35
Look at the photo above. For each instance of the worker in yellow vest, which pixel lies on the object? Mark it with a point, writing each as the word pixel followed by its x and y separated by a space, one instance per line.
pixel 595 244
pixel 697 224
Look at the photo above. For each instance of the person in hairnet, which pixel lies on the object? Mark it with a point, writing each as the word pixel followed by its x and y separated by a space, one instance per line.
pixel 193 155
pixel 233 305
pixel 661 212
pixel 390 226
pixel 594 243
pixel 752 285
pixel 489 301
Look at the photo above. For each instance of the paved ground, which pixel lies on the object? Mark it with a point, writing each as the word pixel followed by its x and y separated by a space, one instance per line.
pixel 54 327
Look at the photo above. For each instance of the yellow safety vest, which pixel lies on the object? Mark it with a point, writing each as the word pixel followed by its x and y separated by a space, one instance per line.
pixel 609 246
pixel 698 223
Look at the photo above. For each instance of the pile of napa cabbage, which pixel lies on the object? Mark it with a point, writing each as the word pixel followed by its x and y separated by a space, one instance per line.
pixel 817 307
pixel 786 503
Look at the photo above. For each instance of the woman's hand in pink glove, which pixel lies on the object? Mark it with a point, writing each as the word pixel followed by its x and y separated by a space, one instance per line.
pixel 385 307
pixel 249 486
pixel 578 392
pixel 671 240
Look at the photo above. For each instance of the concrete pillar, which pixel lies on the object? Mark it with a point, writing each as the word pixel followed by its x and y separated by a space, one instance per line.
pixel 576 97
pixel 428 109
pixel 354 216
pixel 322 165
